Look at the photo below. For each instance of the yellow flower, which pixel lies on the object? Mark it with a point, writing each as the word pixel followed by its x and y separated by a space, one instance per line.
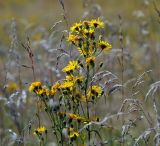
pixel 76 27
pixel 56 86
pixel 70 78
pixel 91 33
pixel 79 79
pixel 72 116
pixel 40 91
pixel 72 65
pixel 70 129
pixel 35 86
pixel 72 38
pixel 82 120
pixel 90 60
pixel 83 98
pixel 39 130
pixel 104 45
pixel 47 92
pixel 85 32
pixel 11 86
pixel 96 23
pixel 88 33
pixel 66 85
pixel 73 135
pixel 52 92
pixel 94 91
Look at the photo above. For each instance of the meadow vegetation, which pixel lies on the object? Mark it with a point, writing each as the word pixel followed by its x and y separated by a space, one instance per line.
pixel 88 79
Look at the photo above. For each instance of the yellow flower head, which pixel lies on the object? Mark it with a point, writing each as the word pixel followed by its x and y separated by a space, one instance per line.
pixel 11 86
pixel 83 98
pixel 96 23
pixel 79 79
pixel 90 60
pixel 82 120
pixel 88 33
pixel 76 27
pixel 40 91
pixel 46 92
pixel 103 45
pixel 52 92
pixel 55 86
pixel 70 129
pixel 72 38
pixel 73 135
pixel 94 91
pixel 66 85
pixel 91 33
pixel 72 116
pixel 72 65
pixel 70 78
pixel 39 130
pixel 35 86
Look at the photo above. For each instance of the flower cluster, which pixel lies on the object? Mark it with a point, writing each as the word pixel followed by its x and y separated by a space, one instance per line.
pixel 68 101
pixel 83 36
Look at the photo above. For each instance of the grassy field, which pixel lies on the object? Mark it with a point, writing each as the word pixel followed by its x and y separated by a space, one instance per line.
pixel 109 94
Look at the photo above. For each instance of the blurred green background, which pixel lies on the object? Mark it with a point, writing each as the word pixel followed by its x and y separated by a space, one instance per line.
pixel 46 12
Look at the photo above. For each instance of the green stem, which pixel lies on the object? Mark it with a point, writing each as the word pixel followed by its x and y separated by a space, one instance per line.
pixel 87 102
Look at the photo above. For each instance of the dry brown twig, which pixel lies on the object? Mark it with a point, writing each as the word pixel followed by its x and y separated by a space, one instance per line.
pixel 30 54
